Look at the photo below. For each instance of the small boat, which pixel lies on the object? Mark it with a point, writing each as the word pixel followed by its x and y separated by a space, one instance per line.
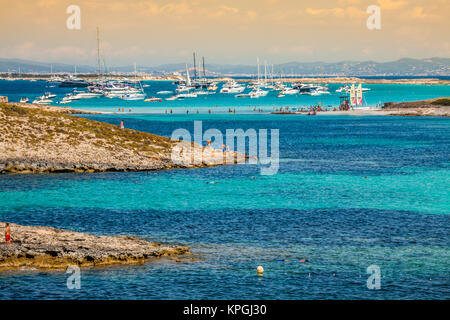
pixel 243 95
pixel 212 87
pixel 24 100
pixel 164 92
pixel 49 95
pixel 87 95
pixel 146 85
pixel 63 101
pixel 152 99
pixel 258 93
pixel 232 87
pixel 202 93
pixel 174 97
pixel 289 91
pixel 187 95
pixel 134 96
pixel 280 95
pixel 42 101
pixel 70 97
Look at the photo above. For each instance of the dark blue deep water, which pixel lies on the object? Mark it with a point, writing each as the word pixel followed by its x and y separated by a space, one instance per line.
pixel 350 192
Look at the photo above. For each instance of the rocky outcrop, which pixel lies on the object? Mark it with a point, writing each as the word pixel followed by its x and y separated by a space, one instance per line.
pixel 432 107
pixel 50 248
pixel 37 141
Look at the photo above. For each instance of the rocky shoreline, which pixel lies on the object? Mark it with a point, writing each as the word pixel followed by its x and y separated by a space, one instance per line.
pixel 439 107
pixel 49 248
pixel 41 140
pixel 63 110
pixel 425 108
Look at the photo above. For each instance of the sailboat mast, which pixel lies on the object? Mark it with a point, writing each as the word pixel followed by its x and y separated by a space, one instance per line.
pixel 195 68
pixel 265 71
pixel 98 53
pixel 204 71
pixel 257 62
pixel 272 75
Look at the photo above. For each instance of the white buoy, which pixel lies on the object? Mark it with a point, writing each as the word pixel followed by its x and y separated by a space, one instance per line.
pixel 260 270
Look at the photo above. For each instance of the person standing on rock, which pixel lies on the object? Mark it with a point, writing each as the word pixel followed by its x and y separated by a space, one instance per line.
pixel 121 125
pixel 8 233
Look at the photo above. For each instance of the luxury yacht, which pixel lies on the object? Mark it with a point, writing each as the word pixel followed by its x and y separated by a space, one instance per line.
pixel 256 93
pixel 134 96
pixel 232 87
pixel 87 95
pixel 289 91
pixel 74 83
pixel 183 88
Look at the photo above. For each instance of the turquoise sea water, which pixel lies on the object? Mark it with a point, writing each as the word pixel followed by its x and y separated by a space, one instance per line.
pixel 350 192
pixel 220 103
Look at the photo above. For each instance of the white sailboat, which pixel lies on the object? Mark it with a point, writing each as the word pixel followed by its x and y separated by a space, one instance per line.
pixel 257 91
pixel 139 93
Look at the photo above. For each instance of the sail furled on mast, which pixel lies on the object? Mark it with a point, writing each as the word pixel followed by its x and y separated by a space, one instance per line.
pixel 353 95
pixel 359 95
pixel 188 78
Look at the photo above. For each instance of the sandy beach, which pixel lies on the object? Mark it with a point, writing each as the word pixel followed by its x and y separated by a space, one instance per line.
pixel 427 108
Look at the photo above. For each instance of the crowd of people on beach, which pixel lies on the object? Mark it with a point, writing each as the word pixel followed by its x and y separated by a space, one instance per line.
pixel 282 109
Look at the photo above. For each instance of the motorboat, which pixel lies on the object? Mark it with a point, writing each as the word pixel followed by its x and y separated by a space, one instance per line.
pixel 174 97
pixel 87 95
pixel 49 95
pixel 134 96
pixel 232 87
pixel 187 95
pixel 289 91
pixel 153 99
pixel 40 100
pixel 256 93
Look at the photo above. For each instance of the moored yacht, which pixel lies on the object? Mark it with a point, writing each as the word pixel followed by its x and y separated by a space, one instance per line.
pixel 232 87
pixel 256 93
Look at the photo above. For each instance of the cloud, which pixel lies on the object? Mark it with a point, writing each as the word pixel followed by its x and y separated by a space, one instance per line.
pixel 391 4
pixel 29 50
pixel 251 15
pixel 419 13
pixel 229 9
pixel 347 12
pixel 315 12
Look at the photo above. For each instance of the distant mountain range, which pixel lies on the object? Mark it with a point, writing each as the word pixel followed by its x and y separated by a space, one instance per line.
pixel 402 67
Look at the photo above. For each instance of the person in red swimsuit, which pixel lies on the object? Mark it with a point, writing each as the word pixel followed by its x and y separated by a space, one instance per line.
pixel 8 233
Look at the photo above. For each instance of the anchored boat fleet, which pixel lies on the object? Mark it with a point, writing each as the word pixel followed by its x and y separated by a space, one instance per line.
pixel 199 85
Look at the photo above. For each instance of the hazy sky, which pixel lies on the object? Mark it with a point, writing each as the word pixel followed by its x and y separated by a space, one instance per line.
pixel 152 32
